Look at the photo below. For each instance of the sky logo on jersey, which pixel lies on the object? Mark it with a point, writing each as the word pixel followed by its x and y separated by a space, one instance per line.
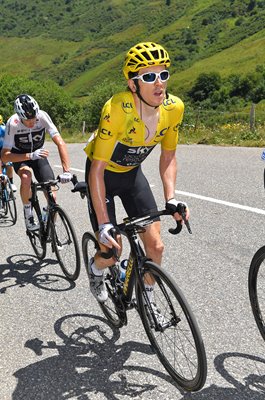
pixel 130 156
pixel 104 134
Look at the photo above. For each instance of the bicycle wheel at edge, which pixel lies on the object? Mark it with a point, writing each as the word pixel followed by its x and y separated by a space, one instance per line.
pixel 65 244
pixel 38 244
pixel 89 248
pixel 11 202
pixel 256 284
pixel 178 344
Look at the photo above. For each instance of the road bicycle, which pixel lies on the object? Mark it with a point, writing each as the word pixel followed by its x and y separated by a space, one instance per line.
pixel 7 198
pixel 256 284
pixel 172 331
pixel 55 227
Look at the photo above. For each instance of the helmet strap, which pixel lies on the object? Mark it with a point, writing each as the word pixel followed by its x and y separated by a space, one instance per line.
pixel 141 97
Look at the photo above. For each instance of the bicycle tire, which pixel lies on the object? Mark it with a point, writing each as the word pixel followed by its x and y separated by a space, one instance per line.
pixel 37 241
pixel 256 282
pixel 178 342
pixel 109 307
pixel 65 244
pixel 11 202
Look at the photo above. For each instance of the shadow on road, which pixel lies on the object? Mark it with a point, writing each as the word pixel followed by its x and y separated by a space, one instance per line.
pixel 244 372
pixel 88 362
pixel 24 269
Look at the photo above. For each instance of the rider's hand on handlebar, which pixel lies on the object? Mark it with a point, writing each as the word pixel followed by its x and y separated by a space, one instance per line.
pixel 178 208
pixel 65 177
pixel 38 154
pixel 105 237
pixel 3 178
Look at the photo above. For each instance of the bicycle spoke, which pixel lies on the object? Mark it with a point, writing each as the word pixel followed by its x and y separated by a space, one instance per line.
pixel 89 248
pixel 174 333
pixel 11 202
pixel 65 244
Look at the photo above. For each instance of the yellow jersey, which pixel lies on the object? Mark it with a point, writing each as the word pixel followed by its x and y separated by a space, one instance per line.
pixel 120 138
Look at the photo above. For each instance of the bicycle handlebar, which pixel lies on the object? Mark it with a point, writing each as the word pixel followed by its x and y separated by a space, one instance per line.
pixel 81 187
pixel 53 182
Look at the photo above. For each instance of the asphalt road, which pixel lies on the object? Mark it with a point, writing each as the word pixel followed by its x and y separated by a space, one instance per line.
pixel 41 357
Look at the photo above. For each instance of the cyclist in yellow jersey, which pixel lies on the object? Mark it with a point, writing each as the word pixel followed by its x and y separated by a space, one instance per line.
pixel 132 123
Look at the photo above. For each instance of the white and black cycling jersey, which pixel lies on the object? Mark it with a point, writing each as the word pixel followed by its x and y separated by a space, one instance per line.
pixel 20 139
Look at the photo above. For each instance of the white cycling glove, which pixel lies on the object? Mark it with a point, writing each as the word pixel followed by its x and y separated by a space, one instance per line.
pixel 37 154
pixel 174 205
pixel 103 235
pixel 65 177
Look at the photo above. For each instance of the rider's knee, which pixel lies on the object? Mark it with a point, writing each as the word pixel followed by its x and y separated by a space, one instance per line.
pixel 156 246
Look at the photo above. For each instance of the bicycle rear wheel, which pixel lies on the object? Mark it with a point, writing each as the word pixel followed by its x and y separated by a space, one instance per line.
pixel 174 335
pixel 10 202
pixel 256 284
pixel 36 238
pixel 109 307
pixel 65 243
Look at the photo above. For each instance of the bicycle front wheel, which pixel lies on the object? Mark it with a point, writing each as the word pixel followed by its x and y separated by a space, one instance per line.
pixel 11 202
pixel 110 306
pixel 173 330
pixel 65 244
pixel 256 284
pixel 36 237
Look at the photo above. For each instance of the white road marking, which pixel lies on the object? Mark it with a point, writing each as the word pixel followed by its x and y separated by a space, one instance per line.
pixel 225 203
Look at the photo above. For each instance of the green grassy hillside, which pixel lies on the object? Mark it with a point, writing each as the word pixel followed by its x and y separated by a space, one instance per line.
pixel 78 43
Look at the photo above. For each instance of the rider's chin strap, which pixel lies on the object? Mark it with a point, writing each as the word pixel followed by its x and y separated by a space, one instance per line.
pixel 141 97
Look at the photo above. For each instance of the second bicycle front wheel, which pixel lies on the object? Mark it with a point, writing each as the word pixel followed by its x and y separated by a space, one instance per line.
pixel 65 244
pixel 109 307
pixel 36 237
pixel 11 201
pixel 173 332
pixel 256 284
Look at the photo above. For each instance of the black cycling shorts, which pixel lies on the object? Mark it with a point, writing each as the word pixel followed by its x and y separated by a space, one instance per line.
pixel 131 187
pixel 41 168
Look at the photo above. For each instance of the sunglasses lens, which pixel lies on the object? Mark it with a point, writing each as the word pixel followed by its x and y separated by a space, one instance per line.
pixel 150 77
pixel 164 75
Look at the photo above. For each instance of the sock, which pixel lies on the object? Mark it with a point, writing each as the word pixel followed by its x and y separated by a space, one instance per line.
pixel 95 270
pixel 27 210
pixel 149 291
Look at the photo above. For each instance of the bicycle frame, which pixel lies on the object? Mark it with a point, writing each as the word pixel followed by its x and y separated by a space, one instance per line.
pixel 46 188
pixel 131 228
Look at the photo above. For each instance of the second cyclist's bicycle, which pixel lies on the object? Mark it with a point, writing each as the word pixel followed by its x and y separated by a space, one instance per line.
pixel 56 228
pixel 7 198
pixel 171 325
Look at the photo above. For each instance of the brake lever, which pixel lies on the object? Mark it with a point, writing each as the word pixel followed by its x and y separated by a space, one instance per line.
pixel 179 224
pixel 113 252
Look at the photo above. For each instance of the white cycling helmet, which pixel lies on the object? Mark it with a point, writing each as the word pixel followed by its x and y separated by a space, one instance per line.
pixel 26 106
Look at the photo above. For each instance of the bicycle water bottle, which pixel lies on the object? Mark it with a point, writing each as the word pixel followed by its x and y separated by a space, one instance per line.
pixel 44 214
pixel 122 268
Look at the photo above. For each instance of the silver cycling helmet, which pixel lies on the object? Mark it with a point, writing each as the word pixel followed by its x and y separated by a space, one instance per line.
pixel 26 106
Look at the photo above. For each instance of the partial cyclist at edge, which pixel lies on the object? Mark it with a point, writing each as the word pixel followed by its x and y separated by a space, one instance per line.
pixel 24 146
pixel 9 168
pixel 132 123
